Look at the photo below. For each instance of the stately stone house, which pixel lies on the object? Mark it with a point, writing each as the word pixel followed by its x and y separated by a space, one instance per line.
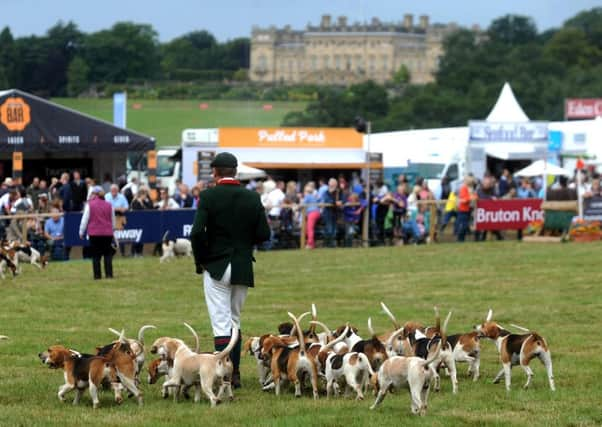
pixel 343 53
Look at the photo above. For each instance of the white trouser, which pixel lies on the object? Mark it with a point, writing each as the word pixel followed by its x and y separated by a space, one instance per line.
pixel 224 302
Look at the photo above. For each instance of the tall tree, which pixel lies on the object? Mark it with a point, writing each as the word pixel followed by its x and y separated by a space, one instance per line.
pixel 126 51
pixel 77 76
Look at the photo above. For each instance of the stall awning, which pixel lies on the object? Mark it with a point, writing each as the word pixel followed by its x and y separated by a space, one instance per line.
pixel 301 158
pixel 510 151
pixel 32 124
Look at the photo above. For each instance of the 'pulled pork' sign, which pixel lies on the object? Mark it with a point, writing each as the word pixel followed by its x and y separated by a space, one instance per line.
pixel 513 214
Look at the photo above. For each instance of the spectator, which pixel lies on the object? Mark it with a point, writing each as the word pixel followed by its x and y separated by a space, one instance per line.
pixel 525 191
pixel 310 199
pixel 120 206
pixel 22 204
pixel 8 199
pixel 322 188
pixel 466 197
pixel 33 190
pixel 504 183
pixel 53 232
pixel 450 212
pixel 183 198
pixel 329 213
pixel 98 221
pixel 595 189
pixel 106 183
pixel 79 192
pixel 165 202
pixel 44 189
pixel 400 204
pixel 196 194
pixel 382 202
pixel 352 216
pixel 275 198
pixel 117 200
pixel 414 230
pixel 53 187
pixel 486 191
pixel 6 185
pixel 43 205
pixel 142 201
pixel 130 190
pixel 64 192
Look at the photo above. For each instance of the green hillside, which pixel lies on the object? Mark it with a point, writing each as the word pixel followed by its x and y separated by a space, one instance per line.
pixel 165 119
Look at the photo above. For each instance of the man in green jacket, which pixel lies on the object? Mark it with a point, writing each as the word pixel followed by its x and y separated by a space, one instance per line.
pixel 230 220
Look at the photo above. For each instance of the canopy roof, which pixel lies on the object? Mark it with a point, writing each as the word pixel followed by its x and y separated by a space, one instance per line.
pixel 246 173
pixel 507 108
pixel 541 167
pixel 32 124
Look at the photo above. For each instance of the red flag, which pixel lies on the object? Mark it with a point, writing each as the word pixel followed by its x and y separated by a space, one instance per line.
pixel 580 164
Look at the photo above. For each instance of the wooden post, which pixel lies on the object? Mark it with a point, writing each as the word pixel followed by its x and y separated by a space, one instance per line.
pixel 366 225
pixel 303 226
pixel 433 221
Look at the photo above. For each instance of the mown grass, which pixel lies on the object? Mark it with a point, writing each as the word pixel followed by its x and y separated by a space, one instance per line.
pixel 554 289
pixel 166 119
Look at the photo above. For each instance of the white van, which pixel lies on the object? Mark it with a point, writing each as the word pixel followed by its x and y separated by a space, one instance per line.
pixel 169 168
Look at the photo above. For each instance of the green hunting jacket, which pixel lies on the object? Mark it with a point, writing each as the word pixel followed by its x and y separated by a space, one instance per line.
pixel 229 221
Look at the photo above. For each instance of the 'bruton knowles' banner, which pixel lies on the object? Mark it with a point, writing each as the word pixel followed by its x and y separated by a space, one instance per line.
pixel 583 108
pixel 483 131
pixel 515 214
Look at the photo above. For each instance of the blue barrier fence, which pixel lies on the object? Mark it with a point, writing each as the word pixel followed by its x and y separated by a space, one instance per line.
pixel 140 226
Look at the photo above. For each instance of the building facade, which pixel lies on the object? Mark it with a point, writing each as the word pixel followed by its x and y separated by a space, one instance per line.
pixel 340 53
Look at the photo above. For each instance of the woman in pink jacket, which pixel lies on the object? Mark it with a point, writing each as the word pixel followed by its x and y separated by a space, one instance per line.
pixel 99 221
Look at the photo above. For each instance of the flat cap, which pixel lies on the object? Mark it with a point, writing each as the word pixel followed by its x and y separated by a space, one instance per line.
pixel 224 160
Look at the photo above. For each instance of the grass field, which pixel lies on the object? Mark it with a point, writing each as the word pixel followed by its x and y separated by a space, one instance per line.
pixel 166 119
pixel 554 289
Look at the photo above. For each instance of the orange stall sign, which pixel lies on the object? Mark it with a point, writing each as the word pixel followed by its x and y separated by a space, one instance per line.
pixel 290 138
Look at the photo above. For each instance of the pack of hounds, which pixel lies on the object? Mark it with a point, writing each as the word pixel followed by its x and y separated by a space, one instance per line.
pixel 15 253
pixel 408 356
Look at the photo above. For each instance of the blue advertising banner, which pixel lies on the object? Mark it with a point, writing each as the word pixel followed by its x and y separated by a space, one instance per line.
pixel 120 109
pixel 140 226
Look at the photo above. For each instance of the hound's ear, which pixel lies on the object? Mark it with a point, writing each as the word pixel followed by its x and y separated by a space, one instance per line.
pixel 489 315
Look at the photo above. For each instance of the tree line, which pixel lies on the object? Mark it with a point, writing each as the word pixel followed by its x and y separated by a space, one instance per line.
pixel 543 68
pixel 67 61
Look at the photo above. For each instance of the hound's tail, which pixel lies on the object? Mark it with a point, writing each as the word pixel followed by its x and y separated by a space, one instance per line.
pixel 444 331
pixel 197 344
pixel 141 332
pixel 231 344
pixel 294 330
pixel 314 317
pixel 370 329
pixel 520 327
pixel 333 342
pixel 390 315
pixel 299 333
pixel 392 338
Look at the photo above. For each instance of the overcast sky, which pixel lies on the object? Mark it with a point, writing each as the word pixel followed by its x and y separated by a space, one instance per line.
pixel 228 19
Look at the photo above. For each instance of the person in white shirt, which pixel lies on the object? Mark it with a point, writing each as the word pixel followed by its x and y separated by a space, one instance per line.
pixel 275 199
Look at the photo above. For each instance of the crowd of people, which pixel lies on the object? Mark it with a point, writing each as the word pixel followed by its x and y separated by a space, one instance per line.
pixel 69 193
pixel 334 208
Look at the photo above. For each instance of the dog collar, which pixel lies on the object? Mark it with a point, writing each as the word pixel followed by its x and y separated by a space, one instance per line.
pixel 228 181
